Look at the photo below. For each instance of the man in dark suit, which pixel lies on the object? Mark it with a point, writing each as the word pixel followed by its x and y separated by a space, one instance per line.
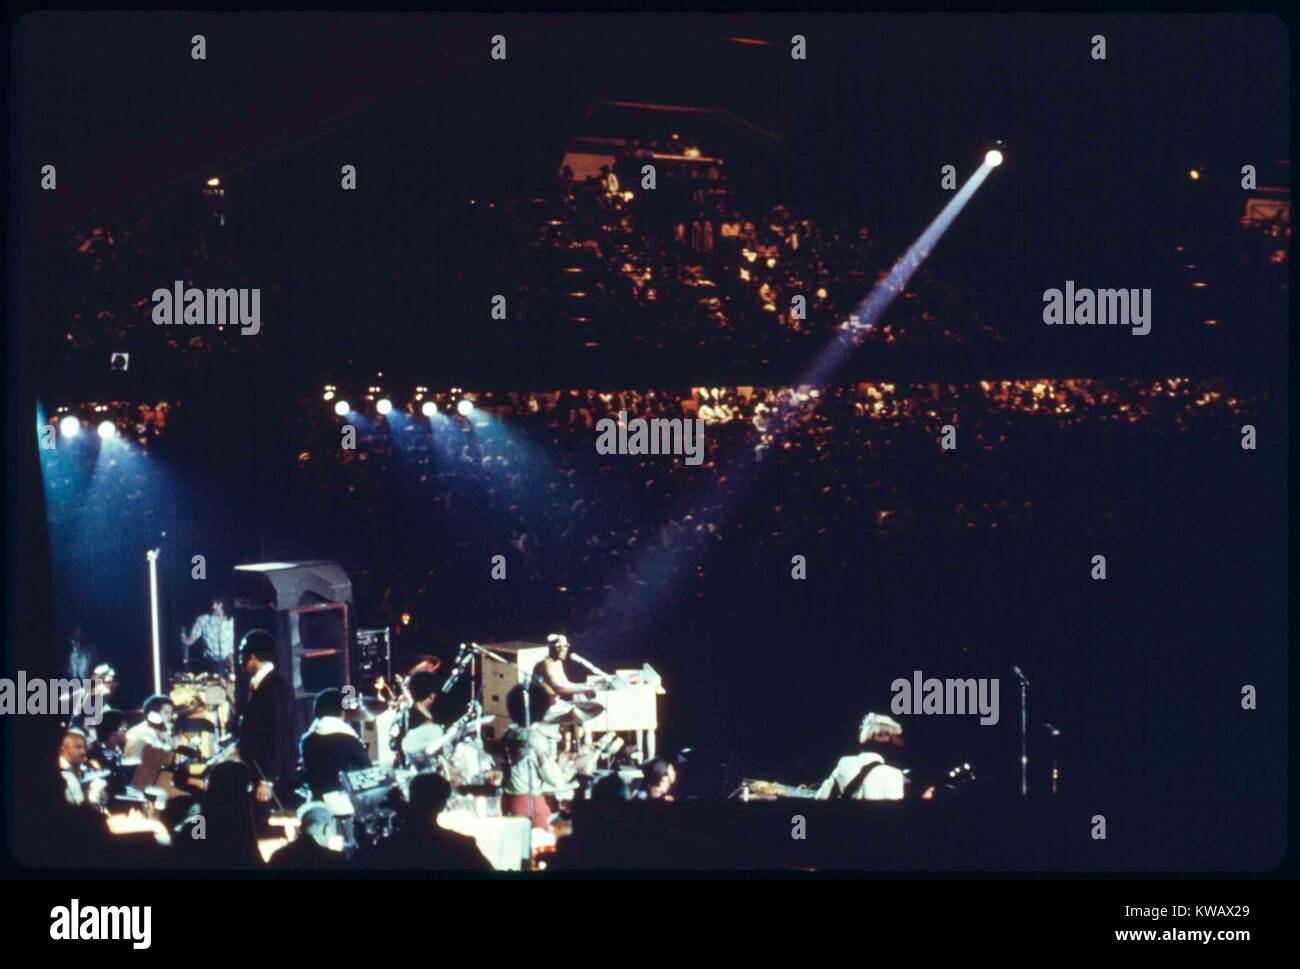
pixel 266 741
pixel 330 745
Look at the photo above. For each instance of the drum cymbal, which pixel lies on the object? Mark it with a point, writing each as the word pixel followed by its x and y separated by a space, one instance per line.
pixel 367 709
pixel 417 741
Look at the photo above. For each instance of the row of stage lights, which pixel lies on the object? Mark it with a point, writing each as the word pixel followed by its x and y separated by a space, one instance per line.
pixel 70 427
pixel 384 406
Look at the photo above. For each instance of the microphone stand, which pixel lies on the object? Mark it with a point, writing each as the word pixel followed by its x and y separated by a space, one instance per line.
pixel 1056 747
pixel 156 635
pixel 526 680
pixel 528 754
pixel 1024 731
pixel 590 666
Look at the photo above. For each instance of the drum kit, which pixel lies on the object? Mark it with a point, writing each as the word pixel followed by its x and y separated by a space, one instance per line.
pixel 203 703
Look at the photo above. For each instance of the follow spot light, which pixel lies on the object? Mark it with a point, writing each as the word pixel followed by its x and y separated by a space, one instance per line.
pixel 993 159
pixel 107 429
pixel 465 408
pixel 342 408
pixel 70 426
pixel 428 408
pixel 384 406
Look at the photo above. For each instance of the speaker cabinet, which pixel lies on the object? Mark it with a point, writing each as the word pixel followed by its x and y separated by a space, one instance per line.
pixel 313 633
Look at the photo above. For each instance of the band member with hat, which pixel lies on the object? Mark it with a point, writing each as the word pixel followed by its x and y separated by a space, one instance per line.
pixel 551 670
pixel 865 776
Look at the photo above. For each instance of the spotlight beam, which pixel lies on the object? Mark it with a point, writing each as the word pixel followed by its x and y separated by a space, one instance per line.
pixel 871 309
pixel 629 606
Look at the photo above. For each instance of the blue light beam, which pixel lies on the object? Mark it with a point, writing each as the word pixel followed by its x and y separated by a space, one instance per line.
pixel 870 310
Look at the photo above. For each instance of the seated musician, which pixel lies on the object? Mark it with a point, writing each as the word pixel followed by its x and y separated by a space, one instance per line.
pixel 330 745
pixel 415 708
pixel 658 777
pixel 408 666
pixel 865 776
pixel 551 670
pixel 423 688
pixel 72 765
pixel 155 730
pixel 108 747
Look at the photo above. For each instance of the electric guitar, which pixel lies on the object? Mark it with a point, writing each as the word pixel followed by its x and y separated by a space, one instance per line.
pixel 759 790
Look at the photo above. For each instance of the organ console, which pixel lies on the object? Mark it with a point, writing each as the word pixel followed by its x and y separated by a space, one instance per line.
pixel 629 697
pixel 631 702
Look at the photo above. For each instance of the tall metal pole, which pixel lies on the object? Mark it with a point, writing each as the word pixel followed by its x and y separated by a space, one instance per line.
pixel 152 555
pixel 1024 737
pixel 1024 731
pixel 528 757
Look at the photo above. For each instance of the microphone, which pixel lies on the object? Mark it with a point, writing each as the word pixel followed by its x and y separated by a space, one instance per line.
pixel 1020 675
pixel 488 653
pixel 463 657
pixel 591 666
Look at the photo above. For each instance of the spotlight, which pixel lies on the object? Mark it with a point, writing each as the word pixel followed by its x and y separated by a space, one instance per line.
pixel 70 426
pixel 1194 175
pixel 993 159
pixel 342 408
pixel 429 408
pixel 107 430
pixel 465 408
pixel 384 406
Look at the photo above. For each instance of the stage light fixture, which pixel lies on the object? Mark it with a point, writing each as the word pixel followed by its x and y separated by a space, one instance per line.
pixel 342 408
pixel 429 408
pixel 465 408
pixel 993 159
pixel 70 426
pixel 384 406
pixel 107 430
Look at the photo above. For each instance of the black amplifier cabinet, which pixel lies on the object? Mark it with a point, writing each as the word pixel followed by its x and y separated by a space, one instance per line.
pixel 306 606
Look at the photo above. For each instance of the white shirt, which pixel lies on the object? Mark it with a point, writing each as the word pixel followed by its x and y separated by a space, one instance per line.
pixel 883 783
pixel 536 769
pixel 75 793
pixel 263 671
pixel 329 726
pixel 143 734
